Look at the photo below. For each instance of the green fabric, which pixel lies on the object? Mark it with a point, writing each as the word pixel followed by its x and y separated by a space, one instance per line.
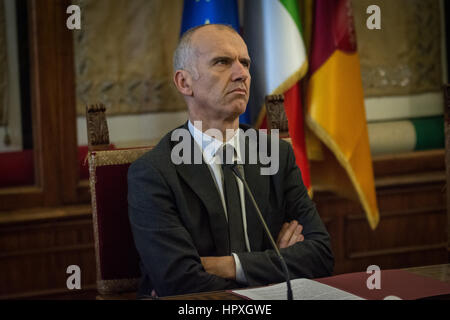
pixel 429 132
pixel 293 9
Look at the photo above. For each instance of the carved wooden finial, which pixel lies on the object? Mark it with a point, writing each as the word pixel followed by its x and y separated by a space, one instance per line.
pixel 97 127
pixel 276 115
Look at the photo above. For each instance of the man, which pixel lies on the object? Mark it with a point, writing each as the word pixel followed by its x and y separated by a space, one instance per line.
pixel 194 227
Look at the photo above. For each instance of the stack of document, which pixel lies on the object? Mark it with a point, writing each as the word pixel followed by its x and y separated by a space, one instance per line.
pixel 302 289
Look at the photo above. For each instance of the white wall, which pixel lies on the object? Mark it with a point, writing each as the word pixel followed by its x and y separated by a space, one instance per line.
pixel 135 130
pixel 404 107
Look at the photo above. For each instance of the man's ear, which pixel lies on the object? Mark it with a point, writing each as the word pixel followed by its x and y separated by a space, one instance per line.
pixel 183 82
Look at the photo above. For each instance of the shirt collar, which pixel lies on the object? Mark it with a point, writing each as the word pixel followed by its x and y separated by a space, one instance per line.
pixel 210 145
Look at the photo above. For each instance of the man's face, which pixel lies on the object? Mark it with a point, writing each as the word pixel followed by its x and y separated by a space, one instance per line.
pixel 221 75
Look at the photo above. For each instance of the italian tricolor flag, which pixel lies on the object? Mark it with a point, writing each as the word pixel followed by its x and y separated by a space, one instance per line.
pixel 273 34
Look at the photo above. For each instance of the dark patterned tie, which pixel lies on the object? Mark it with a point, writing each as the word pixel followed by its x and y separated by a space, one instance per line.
pixel 234 211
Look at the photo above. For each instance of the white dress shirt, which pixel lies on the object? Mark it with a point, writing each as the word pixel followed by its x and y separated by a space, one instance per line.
pixel 209 147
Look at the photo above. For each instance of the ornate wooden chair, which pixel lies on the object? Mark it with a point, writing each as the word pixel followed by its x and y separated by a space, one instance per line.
pixel 117 260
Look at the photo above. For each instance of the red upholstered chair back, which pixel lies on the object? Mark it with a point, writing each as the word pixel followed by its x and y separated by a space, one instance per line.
pixel 116 257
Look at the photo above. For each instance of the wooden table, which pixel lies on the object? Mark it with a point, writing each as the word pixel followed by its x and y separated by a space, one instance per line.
pixel 439 272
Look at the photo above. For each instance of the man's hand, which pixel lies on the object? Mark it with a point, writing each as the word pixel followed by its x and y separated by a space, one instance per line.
pixel 224 267
pixel 290 234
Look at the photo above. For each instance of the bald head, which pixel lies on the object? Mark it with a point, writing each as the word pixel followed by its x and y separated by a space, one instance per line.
pixel 184 52
pixel 212 72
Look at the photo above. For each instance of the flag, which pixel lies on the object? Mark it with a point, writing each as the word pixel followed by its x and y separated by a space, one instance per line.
pixel 335 107
pixel 273 33
pixel 199 12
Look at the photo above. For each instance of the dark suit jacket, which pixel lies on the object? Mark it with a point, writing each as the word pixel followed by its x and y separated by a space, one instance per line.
pixel 177 216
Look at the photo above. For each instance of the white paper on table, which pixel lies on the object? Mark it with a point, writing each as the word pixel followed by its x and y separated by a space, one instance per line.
pixel 302 289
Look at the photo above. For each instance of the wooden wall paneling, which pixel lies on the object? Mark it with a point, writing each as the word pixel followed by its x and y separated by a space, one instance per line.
pixel 83 191
pixel 53 111
pixel 44 76
pixel 409 163
pixel 66 104
pixel 35 254
pixel 412 229
pixel 401 231
pixel 24 197
pixel 446 91
pixel 334 209
pixel 54 97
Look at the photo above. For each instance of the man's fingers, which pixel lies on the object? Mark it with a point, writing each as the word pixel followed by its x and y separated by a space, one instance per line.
pixel 282 231
pixel 300 236
pixel 290 234
pixel 295 236
pixel 287 235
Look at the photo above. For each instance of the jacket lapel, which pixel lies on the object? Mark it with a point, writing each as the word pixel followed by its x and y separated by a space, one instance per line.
pixel 200 179
pixel 259 186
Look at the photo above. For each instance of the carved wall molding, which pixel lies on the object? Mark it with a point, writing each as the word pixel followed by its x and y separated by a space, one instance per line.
pixel 123 55
pixel 404 57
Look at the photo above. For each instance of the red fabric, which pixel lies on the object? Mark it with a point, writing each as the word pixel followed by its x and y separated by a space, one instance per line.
pixel 16 168
pixel 400 283
pixel 263 123
pixel 326 40
pixel 118 255
pixel 322 40
pixel 294 113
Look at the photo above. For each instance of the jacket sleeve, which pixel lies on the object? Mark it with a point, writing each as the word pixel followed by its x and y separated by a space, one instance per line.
pixel 311 258
pixel 165 247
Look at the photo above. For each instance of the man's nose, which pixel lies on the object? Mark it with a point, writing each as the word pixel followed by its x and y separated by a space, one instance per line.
pixel 239 72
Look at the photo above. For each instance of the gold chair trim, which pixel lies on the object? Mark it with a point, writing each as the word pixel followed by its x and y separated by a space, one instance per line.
pixel 117 285
pixel 113 157
pixel 103 158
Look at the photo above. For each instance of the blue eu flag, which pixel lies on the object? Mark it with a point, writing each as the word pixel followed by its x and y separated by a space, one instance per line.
pixel 199 12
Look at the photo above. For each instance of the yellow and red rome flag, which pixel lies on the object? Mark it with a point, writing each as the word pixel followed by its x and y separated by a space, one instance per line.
pixel 335 107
